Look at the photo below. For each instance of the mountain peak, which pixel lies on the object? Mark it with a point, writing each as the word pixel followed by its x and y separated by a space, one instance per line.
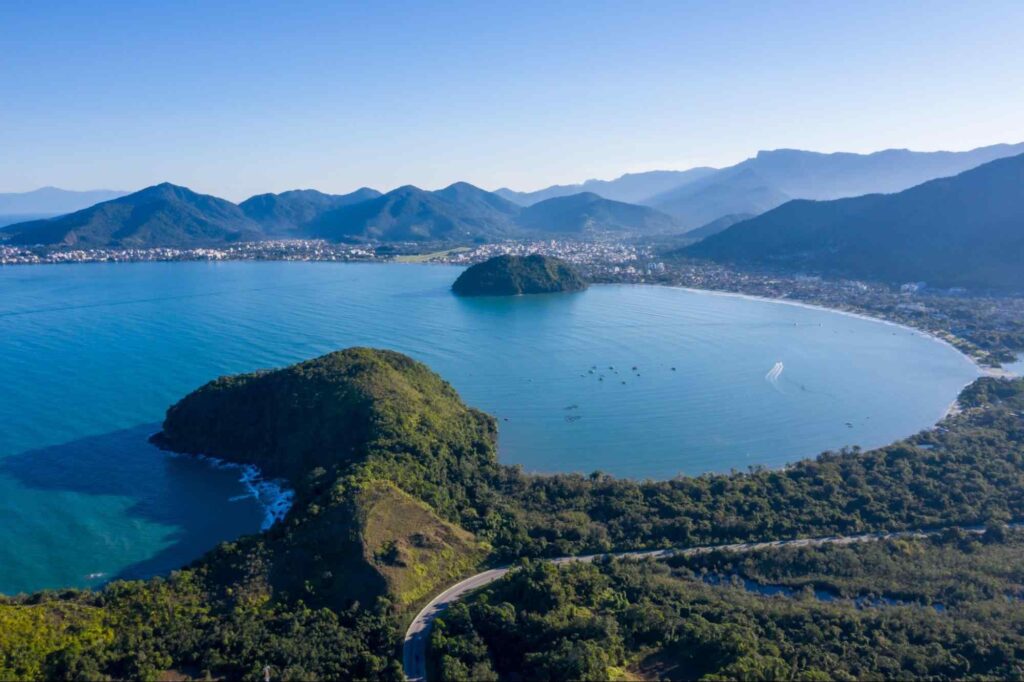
pixel 964 230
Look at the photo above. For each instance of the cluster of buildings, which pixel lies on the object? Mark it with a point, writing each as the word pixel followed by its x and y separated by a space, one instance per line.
pixel 297 250
pixel 590 256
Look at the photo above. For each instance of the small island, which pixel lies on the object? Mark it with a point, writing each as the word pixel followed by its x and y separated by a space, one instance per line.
pixel 514 275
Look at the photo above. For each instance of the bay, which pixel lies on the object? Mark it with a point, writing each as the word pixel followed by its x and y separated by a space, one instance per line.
pixel 93 354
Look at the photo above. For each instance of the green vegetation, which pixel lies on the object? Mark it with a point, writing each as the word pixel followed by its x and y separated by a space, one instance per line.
pixel 660 620
pixel 162 215
pixel 398 493
pixel 967 471
pixel 513 275
pixel 952 568
pixel 185 623
pixel 382 455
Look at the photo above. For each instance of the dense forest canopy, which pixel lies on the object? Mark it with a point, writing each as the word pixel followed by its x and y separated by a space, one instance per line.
pixel 513 275
pixel 683 619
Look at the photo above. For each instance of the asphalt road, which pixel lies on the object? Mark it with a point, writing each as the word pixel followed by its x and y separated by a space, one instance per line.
pixel 414 650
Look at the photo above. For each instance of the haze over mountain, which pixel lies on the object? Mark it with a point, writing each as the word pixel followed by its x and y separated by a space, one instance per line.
pixel 162 215
pixel 771 178
pixel 631 188
pixel 587 212
pixel 707 199
pixel 717 225
pixel 52 201
pixel 287 212
pixel 967 230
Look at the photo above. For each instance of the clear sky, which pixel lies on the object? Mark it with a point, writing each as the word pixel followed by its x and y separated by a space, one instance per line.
pixel 239 98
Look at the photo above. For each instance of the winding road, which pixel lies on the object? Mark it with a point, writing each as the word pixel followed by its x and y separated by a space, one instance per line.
pixel 414 650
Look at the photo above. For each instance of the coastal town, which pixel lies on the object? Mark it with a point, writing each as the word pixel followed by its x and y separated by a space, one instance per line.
pixel 989 328
pixel 291 250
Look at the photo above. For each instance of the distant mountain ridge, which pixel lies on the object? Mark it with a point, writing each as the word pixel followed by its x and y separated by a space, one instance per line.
pixel 632 188
pixel 771 178
pixel 742 191
pixel 587 212
pixel 169 215
pixel 702 201
pixel 966 231
pixel 53 201
pixel 162 215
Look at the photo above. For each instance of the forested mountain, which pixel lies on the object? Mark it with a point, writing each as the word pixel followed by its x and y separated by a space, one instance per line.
pixel 459 212
pixel 168 215
pixel 162 215
pixel 967 230
pixel 464 212
pixel 587 212
pixel 287 212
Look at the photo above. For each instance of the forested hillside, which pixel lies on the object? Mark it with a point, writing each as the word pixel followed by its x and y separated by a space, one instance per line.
pixel 399 493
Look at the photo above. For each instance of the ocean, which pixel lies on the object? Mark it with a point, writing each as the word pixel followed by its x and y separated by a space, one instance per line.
pixel 636 381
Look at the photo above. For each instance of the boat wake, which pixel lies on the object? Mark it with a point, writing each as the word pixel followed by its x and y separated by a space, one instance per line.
pixel 774 373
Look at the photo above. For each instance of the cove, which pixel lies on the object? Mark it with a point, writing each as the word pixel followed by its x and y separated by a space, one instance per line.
pixel 93 354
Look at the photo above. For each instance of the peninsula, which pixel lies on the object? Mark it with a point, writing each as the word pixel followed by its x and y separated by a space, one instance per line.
pixel 514 275
pixel 399 495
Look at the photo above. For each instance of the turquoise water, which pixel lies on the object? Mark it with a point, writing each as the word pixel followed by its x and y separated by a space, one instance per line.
pixel 92 355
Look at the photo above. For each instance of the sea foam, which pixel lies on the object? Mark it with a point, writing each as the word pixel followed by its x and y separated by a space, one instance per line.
pixel 271 494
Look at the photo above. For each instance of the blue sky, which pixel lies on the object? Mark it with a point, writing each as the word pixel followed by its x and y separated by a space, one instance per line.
pixel 247 97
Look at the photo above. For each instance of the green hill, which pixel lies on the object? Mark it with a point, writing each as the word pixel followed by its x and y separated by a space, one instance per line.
pixel 355 433
pixel 460 213
pixel 966 231
pixel 162 215
pixel 283 214
pixel 514 275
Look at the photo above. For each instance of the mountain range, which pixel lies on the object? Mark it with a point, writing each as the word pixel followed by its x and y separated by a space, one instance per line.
pixel 286 213
pixel 961 231
pixel 771 178
pixel 633 188
pixel 899 237
pixel 170 215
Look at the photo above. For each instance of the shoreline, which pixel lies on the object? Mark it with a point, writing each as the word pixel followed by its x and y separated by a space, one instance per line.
pixel 273 497
pixel 954 407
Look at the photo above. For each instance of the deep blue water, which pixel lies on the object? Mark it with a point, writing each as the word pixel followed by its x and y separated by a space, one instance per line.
pixel 92 355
